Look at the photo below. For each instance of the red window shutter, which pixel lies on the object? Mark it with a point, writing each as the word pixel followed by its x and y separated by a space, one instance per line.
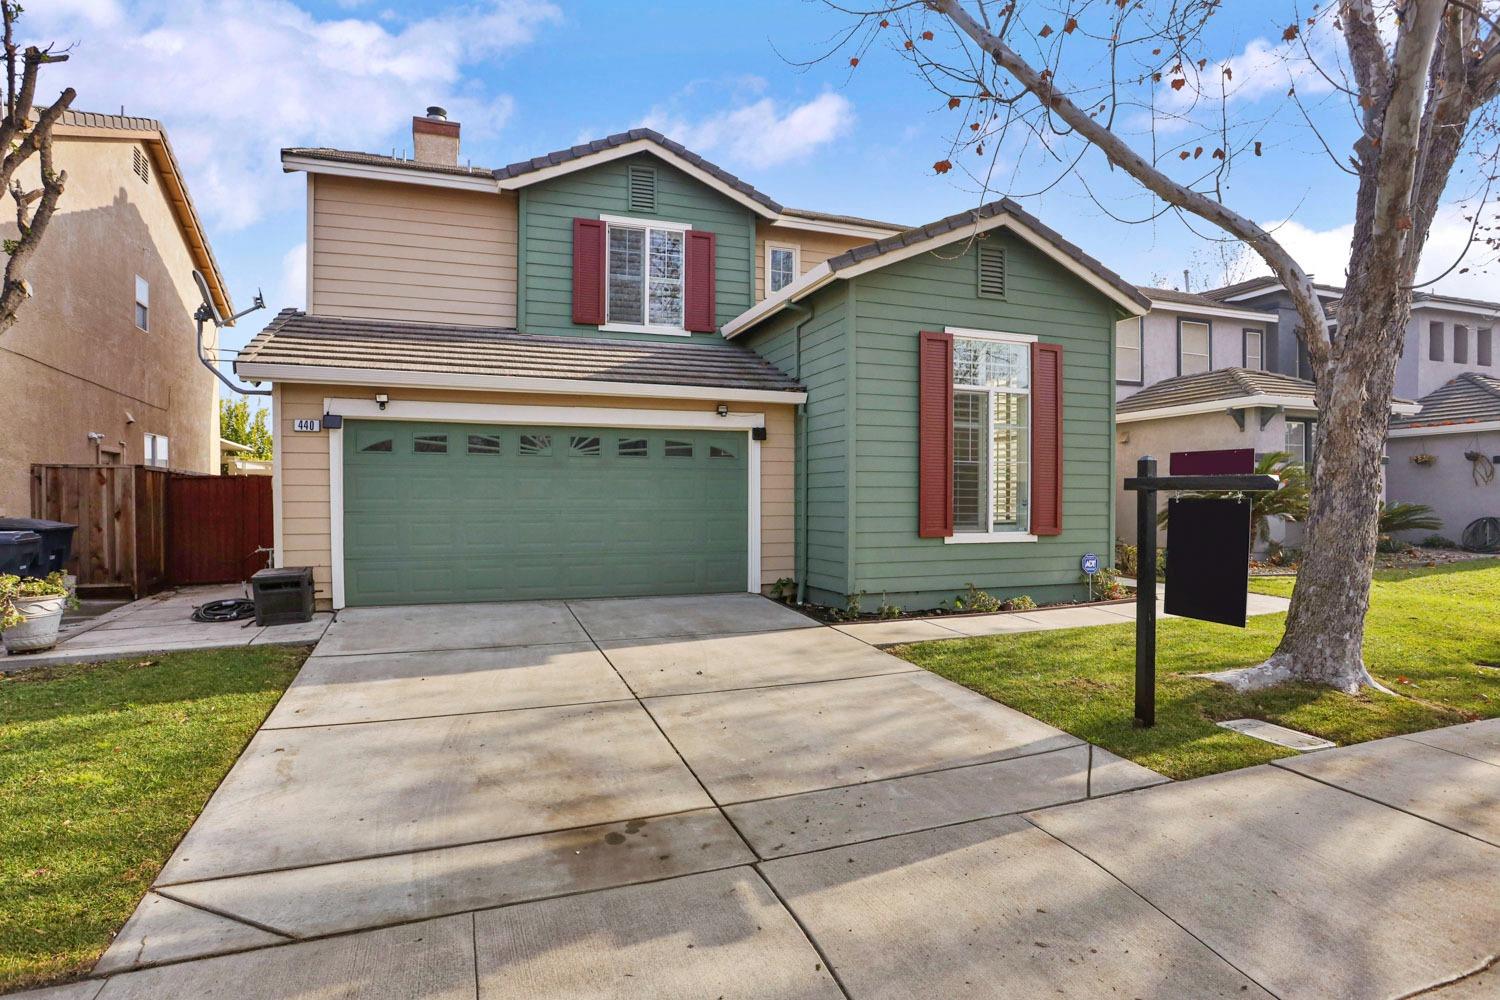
pixel 588 272
pixel 699 297
pixel 935 435
pixel 1046 439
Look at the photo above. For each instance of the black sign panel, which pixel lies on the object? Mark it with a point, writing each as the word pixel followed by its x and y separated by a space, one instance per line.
pixel 1208 559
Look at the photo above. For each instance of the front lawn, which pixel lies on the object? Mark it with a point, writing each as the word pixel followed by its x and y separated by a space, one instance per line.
pixel 103 767
pixel 1433 636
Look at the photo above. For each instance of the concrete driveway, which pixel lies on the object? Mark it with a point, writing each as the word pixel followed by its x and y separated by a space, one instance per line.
pixel 702 797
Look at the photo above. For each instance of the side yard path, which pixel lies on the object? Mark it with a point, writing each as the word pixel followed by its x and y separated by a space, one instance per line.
pixel 102 769
pixel 1433 637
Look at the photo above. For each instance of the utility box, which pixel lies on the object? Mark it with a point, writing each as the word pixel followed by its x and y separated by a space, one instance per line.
pixel 283 596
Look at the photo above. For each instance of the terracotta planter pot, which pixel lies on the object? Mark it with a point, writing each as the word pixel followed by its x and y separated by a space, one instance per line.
pixel 39 631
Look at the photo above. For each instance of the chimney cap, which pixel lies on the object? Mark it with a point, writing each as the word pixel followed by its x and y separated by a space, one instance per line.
pixel 434 111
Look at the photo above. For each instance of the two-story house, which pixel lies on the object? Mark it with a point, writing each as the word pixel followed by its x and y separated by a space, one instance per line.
pixel 617 369
pixel 102 364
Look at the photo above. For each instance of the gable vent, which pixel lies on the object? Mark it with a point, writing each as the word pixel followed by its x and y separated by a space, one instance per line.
pixel 991 271
pixel 140 166
pixel 640 195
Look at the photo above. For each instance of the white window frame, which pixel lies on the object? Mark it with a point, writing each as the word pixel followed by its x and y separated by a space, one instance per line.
pixel 1140 351
pixel 989 535
pixel 1208 341
pixel 157 449
pixel 796 253
pixel 1260 348
pixel 630 222
pixel 142 301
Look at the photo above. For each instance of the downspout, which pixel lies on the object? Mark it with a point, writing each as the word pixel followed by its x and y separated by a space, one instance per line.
pixel 800 563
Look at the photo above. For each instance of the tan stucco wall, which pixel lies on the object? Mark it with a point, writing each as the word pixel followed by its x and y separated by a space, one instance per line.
pixel 303 483
pixel 75 362
pixel 813 249
pixel 380 250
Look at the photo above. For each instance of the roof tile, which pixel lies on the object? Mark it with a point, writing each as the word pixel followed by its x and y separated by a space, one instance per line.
pixel 1466 399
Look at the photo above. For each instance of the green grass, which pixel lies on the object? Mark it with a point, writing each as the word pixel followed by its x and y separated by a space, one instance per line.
pixel 1428 633
pixel 103 768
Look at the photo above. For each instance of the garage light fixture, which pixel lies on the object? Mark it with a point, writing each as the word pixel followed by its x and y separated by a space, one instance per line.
pixel 722 409
pixel 381 399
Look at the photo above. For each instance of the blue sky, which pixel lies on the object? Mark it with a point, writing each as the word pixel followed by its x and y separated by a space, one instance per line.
pixel 235 81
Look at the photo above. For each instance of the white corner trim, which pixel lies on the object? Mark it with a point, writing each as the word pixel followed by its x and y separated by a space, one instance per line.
pixel 329 375
pixel 392 173
pixel 1214 312
pixel 565 416
pixel 987 538
pixel 1433 430
pixel 277 486
pixel 995 335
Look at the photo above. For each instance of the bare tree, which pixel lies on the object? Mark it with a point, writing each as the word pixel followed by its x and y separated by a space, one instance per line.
pixel 1415 82
pixel 23 136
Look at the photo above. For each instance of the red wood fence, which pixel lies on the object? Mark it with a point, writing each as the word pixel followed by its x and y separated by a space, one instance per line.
pixel 214 525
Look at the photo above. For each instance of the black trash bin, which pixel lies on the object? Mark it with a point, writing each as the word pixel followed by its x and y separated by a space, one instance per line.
pixel 57 541
pixel 20 553
pixel 283 596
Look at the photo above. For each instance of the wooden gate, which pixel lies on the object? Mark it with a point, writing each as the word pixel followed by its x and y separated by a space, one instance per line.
pixel 120 544
pixel 214 525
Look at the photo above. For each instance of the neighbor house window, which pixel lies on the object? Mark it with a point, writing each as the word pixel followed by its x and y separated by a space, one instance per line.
pixel 1460 344
pixel 1129 366
pixel 157 450
pixel 1483 348
pixel 781 267
pixel 1193 352
pixel 1299 435
pixel 1254 351
pixel 142 303
pixel 991 435
pixel 1435 342
pixel 645 273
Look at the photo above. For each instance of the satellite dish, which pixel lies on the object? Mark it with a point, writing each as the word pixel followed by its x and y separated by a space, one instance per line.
pixel 208 298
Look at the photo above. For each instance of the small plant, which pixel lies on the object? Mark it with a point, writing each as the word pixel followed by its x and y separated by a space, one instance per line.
pixel 784 590
pixel 1106 585
pixel 1403 516
pixel 1438 542
pixel 1423 458
pixel 1126 559
pixel 853 604
pixel 974 599
pixel 14 588
pixel 887 610
pixel 1021 603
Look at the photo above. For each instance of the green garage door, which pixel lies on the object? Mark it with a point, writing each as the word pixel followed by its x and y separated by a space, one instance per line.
pixel 459 512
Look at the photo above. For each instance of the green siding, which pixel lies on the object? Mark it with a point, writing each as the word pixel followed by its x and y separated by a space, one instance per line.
pixel 824 463
pixel 546 235
pixel 938 290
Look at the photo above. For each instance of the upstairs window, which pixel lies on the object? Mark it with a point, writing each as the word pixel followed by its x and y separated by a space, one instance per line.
pixel 1254 351
pixel 1435 342
pixel 1460 344
pixel 1483 348
pixel 157 448
pixel 142 303
pixel 1193 352
pixel 645 276
pixel 781 267
pixel 1128 353
pixel 991 436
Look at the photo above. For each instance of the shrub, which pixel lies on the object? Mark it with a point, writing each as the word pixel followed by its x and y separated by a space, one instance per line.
pixel 14 588
pixel 1437 542
pixel 887 609
pixel 853 604
pixel 974 599
pixel 1125 559
pixel 1106 584
pixel 784 589
pixel 1403 516
pixel 1021 603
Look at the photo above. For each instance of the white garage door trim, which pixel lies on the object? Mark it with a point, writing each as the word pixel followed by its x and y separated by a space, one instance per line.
pixel 564 416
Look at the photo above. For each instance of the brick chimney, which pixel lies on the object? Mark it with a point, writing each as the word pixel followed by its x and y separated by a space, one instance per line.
pixel 434 139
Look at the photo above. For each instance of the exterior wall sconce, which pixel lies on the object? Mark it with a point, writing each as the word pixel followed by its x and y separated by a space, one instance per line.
pixel 722 409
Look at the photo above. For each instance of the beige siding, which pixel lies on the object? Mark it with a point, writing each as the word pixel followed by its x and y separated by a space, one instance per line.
pixel 812 249
pixel 381 250
pixel 304 485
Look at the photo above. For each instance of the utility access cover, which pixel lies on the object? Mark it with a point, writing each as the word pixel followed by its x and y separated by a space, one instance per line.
pixel 1280 735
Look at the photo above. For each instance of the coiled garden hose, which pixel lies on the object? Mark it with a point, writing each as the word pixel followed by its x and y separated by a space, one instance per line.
pixel 231 610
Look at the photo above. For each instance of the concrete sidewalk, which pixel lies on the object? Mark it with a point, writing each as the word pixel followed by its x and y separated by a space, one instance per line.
pixel 163 623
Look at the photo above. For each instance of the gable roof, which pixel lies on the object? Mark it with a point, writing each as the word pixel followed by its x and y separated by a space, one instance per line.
pixel 1469 398
pixel 1171 300
pixel 1224 389
pixel 149 132
pixel 295 346
pixel 378 160
pixel 1004 213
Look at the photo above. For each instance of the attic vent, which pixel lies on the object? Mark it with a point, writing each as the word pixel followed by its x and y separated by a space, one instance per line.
pixel 141 167
pixel 991 271
pixel 640 195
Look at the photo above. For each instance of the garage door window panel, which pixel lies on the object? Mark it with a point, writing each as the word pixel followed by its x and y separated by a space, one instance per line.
pixel 430 444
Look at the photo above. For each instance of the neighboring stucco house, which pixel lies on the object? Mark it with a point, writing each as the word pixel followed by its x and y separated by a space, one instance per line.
pixel 1446 455
pixel 101 365
pixel 619 370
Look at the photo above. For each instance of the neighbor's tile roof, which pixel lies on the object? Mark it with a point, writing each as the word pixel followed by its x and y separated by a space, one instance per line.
pixel 95 119
pixel 963 220
pixel 1268 282
pixel 1468 398
pixel 1433 298
pixel 295 338
pixel 587 149
pixel 377 160
pixel 1224 384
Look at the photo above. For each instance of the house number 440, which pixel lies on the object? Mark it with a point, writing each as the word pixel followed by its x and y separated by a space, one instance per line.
pixel 306 425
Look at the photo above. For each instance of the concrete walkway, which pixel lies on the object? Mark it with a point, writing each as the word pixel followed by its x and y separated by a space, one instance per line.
pixel 707 797
pixel 163 623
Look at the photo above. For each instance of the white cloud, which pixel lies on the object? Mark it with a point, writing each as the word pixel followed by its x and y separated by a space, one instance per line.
pixel 761 134
pixel 235 81
pixel 1325 254
pixel 293 290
